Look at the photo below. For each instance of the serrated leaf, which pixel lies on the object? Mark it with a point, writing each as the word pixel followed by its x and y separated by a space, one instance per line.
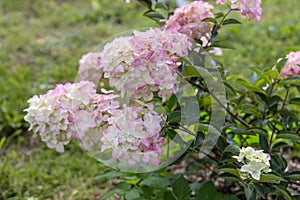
pixel 181 188
pixel 156 182
pixel 231 21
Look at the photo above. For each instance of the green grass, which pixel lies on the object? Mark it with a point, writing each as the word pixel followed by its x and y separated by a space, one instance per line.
pixel 261 44
pixel 41 44
pixel 44 174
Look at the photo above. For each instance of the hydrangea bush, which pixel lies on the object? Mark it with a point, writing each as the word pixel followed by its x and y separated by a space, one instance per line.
pixel 156 97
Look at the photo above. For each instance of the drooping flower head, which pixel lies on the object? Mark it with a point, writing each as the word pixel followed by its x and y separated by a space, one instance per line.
pixel 247 8
pixel 188 19
pixel 51 115
pixel 66 111
pixel 133 136
pixel 144 63
pixel 292 65
pixel 90 68
pixel 254 162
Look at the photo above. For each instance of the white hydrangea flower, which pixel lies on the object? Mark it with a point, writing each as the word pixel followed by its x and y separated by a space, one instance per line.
pixel 255 162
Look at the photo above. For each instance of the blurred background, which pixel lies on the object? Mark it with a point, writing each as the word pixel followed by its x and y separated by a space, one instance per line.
pixel 41 43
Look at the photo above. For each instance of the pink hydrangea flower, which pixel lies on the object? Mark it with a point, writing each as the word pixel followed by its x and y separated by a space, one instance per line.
pixel 247 8
pixel 144 63
pixel 66 111
pixel 292 66
pixel 90 68
pixel 133 136
pixel 188 19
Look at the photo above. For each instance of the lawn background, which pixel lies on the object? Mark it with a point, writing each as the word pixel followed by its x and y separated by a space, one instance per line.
pixel 41 43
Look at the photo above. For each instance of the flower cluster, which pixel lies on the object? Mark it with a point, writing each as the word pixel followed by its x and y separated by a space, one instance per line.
pixel 292 66
pixel 144 63
pixel 247 8
pixel 90 67
pixel 133 135
pixel 189 19
pixel 254 162
pixel 71 110
pixel 55 114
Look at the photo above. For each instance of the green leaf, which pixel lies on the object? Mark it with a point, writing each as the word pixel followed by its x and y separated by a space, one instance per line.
pixel 258 130
pixel 284 192
pixel 162 6
pixel 260 189
pixel 147 3
pixel 219 15
pixel 231 21
pixel 175 137
pixel 295 101
pixel 249 191
pixel 181 188
pixel 169 195
pixel 281 64
pixel 228 87
pixel 132 194
pixel 174 117
pixel 156 182
pixel 232 149
pixel 199 138
pixel 154 15
pixel 109 175
pixel 172 102
pixel 111 193
pixel 270 178
pixel 222 44
pixel 232 171
pixel 290 81
pixel 229 176
pixel 213 20
pixel 288 136
pixel 208 192
pixel 263 141
pixel 190 71
pixel 295 175
pixel 124 186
